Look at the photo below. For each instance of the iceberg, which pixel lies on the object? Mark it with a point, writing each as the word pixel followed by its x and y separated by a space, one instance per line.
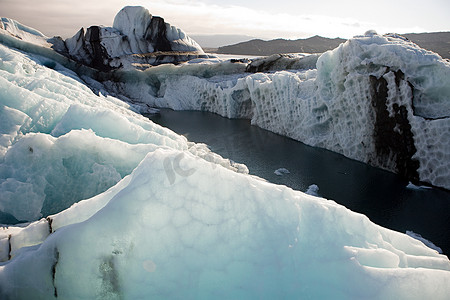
pixel 113 206
pixel 61 143
pixel 281 171
pixel 215 233
pixel 136 37
pixel 378 99
pixel 313 190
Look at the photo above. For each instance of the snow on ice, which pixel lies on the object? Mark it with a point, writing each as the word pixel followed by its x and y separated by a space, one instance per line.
pixel 134 210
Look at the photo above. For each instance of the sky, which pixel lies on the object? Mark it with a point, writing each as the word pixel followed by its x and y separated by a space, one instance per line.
pixel 256 18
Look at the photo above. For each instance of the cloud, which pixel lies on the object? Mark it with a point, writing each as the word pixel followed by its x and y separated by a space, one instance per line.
pixel 65 17
pixel 61 17
pixel 196 17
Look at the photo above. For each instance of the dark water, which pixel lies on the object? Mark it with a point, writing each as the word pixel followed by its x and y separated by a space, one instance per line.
pixel 380 195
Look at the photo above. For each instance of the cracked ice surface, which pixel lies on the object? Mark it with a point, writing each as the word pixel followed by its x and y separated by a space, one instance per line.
pixel 221 234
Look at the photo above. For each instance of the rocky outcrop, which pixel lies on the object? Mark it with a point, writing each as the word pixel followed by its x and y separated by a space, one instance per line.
pixel 136 39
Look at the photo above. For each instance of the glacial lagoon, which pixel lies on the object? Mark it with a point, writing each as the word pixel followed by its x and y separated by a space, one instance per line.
pixel 386 198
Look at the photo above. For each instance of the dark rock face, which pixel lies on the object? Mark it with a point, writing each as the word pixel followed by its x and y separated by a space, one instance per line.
pixel 392 134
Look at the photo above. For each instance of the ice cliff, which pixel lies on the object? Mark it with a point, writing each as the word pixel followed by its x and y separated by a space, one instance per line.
pixel 134 210
pixel 378 99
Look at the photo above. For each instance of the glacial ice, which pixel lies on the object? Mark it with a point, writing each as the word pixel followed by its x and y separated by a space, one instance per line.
pixel 59 138
pixel 378 99
pixel 136 37
pixel 153 215
pixel 216 234
pixel 23 32
pixel 281 171
pixel 313 190
pixel 135 22
pixel 381 100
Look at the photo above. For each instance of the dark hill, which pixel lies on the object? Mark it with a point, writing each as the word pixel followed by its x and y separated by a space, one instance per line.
pixel 438 42
pixel 315 44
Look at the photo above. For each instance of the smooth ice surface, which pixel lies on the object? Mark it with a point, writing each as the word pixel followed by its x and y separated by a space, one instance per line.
pixel 219 234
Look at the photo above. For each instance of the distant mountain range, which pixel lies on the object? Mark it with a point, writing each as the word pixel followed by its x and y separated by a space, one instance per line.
pixel 315 44
pixel 218 40
pixel 438 42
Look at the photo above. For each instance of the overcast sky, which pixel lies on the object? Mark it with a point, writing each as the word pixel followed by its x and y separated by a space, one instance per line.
pixel 257 18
